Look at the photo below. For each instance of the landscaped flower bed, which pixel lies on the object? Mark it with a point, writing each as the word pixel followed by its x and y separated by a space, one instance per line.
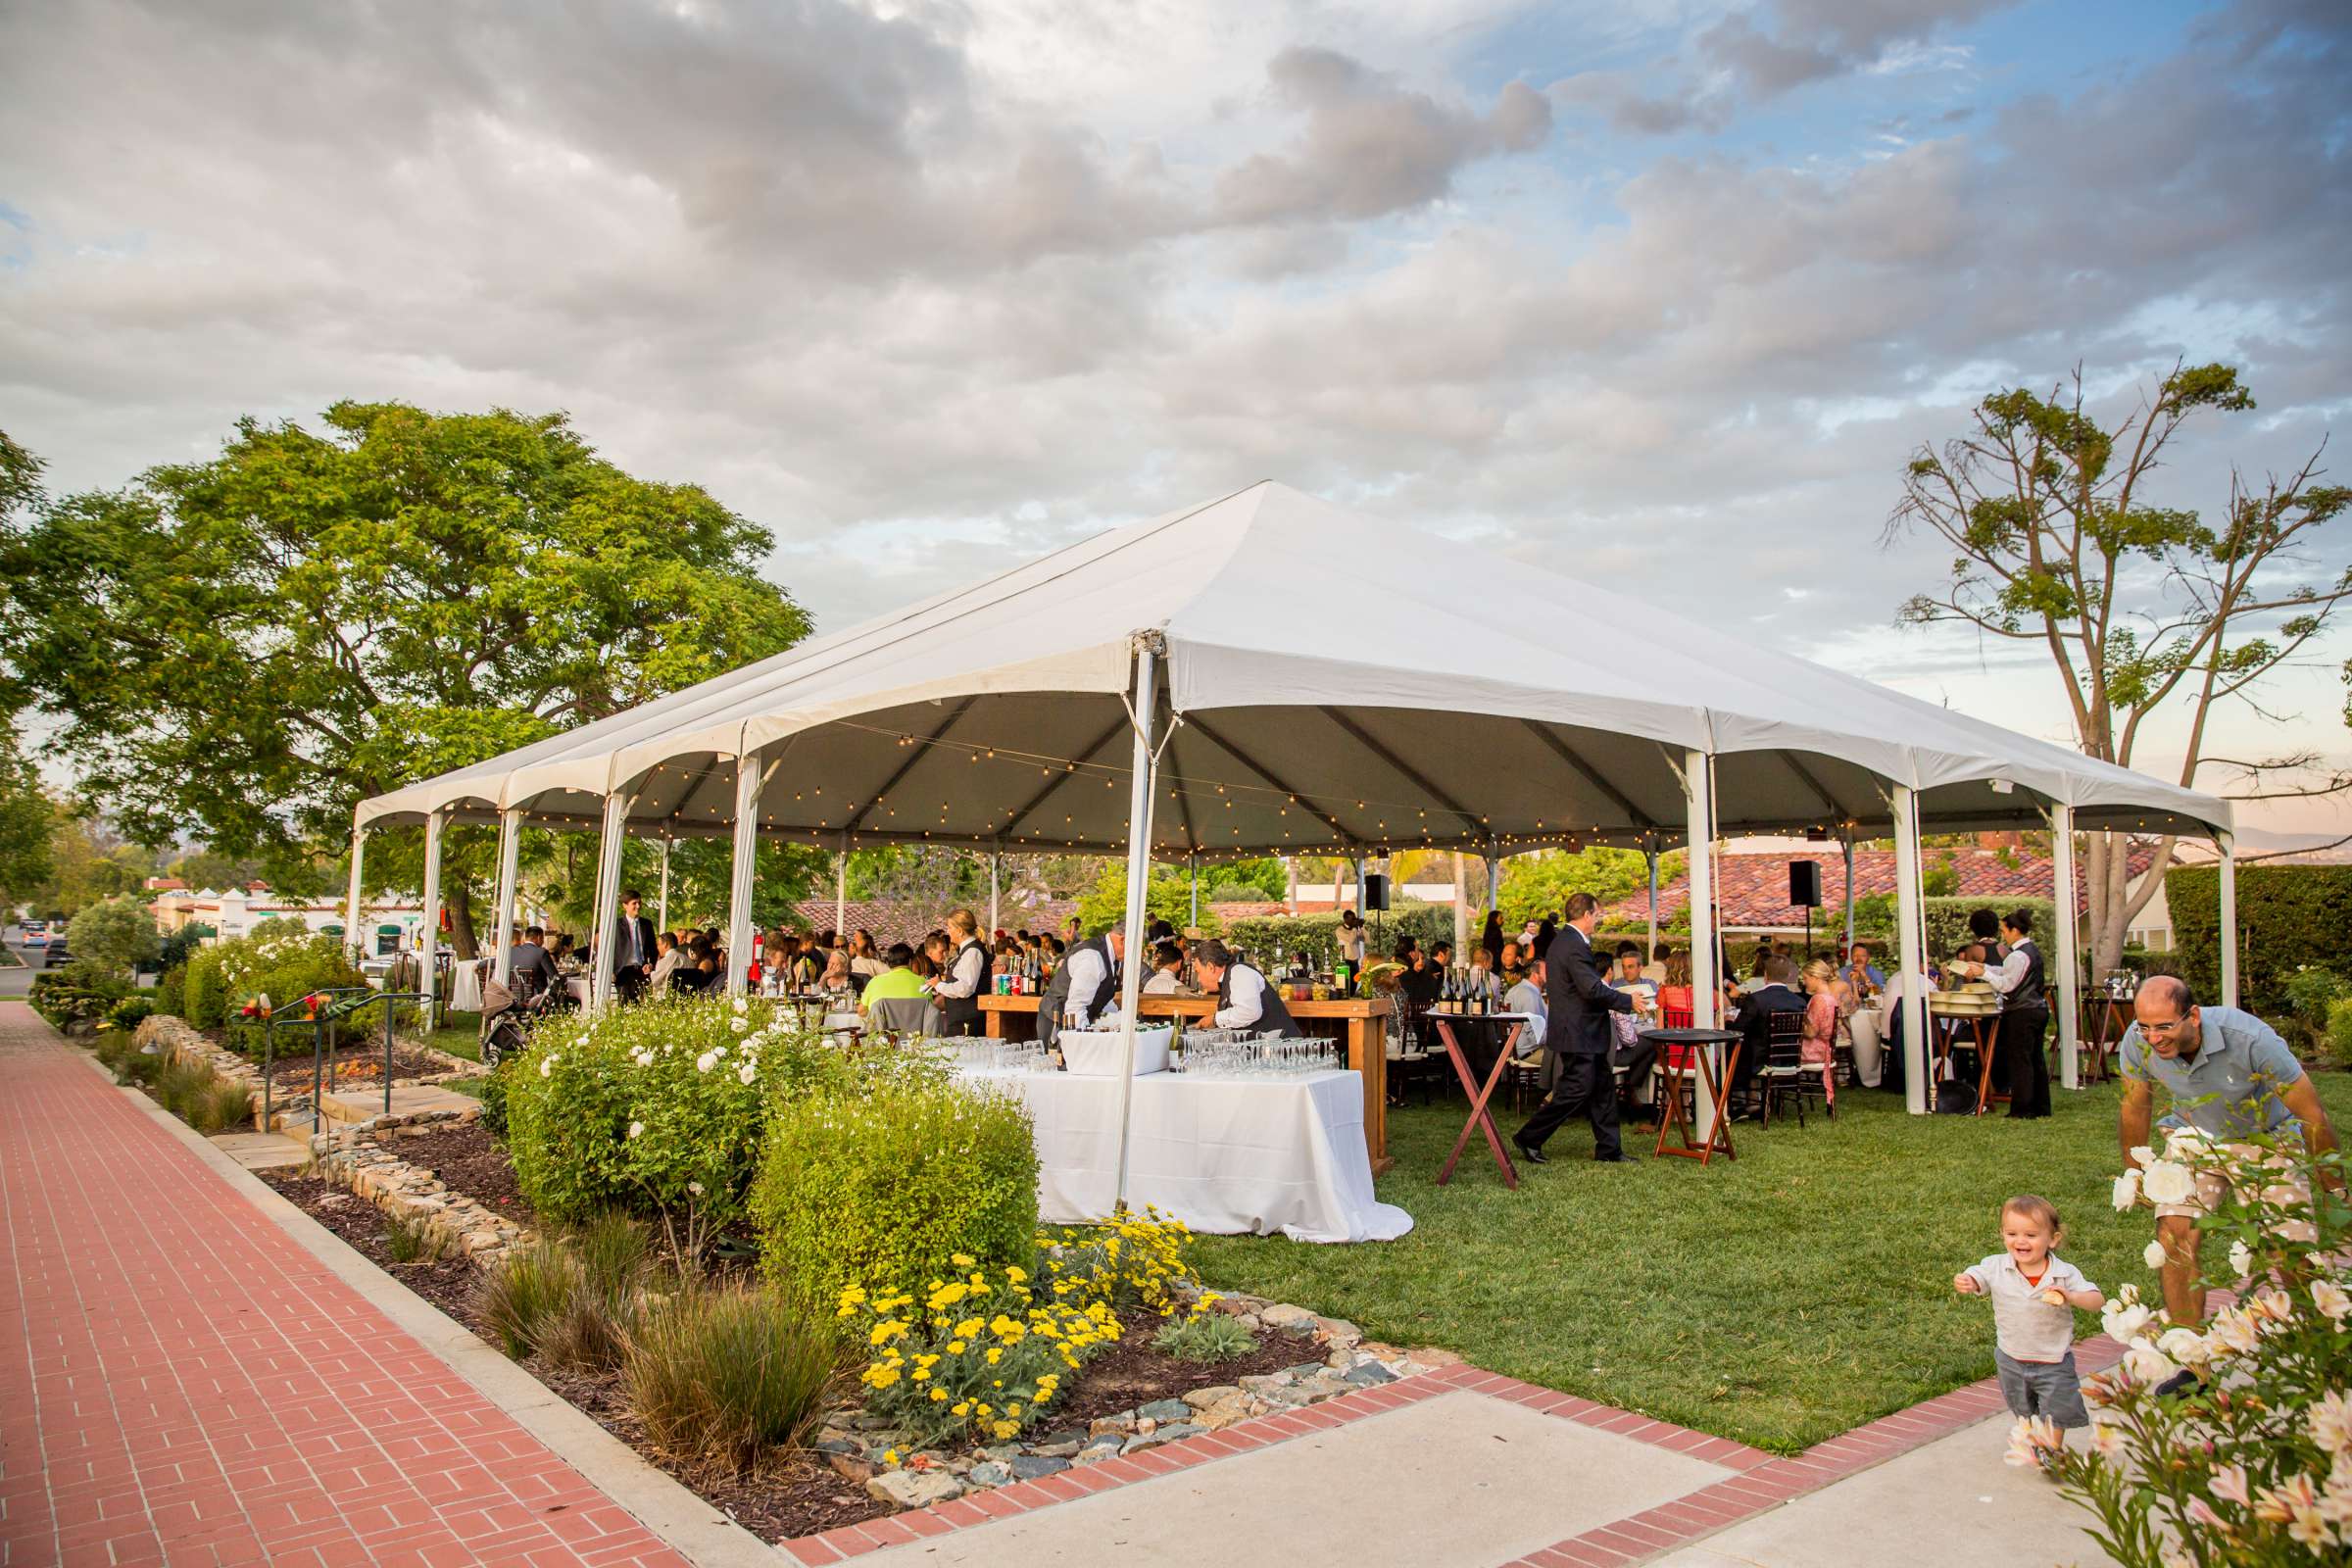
pixel 665 1144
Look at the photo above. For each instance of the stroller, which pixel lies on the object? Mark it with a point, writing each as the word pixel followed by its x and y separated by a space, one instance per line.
pixel 509 1011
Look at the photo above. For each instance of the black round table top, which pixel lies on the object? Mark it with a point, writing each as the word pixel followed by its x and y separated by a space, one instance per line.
pixel 1692 1037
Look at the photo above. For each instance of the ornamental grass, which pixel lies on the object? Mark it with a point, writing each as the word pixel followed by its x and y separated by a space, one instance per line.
pixel 720 1376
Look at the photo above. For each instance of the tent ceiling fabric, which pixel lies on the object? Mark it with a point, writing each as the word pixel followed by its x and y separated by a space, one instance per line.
pixel 1468 707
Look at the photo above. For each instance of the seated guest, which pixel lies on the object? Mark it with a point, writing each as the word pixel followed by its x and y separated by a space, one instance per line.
pixel 897 978
pixel 668 957
pixel 1420 981
pixel 865 958
pixel 1483 981
pixel 1676 996
pixel 1526 998
pixel 835 982
pixel 1778 993
pixel 564 950
pixel 1861 977
pixel 1627 977
pixel 1245 997
pixel 1168 969
pixel 529 958
pixel 1637 1058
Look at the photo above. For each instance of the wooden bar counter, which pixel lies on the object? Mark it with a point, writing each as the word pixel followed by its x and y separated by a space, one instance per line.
pixel 1357 1021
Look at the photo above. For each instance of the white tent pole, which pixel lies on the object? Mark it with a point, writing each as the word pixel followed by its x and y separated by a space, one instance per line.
pixel 1290 883
pixel 1698 795
pixel 1195 858
pixel 1358 863
pixel 2227 843
pixel 2062 915
pixel 1461 911
pixel 739 885
pixel 355 934
pixel 841 891
pixel 1849 890
pixel 1916 1091
pixel 1493 881
pixel 661 902
pixel 602 938
pixel 429 940
pixel 1139 872
pixel 510 852
pixel 996 862
pixel 1653 901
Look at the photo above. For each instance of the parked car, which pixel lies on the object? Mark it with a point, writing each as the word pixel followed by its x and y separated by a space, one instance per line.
pixel 31 926
pixel 37 938
pixel 56 954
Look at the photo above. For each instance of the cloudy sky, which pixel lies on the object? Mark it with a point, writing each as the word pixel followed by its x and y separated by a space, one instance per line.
pixel 1663 291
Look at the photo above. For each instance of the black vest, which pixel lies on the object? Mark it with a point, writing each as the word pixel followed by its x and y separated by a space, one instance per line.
pixel 1272 1015
pixel 1056 998
pixel 960 1015
pixel 2031 992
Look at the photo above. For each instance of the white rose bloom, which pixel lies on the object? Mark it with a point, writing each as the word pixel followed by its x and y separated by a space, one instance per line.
pixel 547 1065
pixel 2185 1346
pixel 720 1051
pixel 2241 1260
pixel 739 1025
pixel 741 1006
pixel 705 1062
pixel 2186 1143
pixel 636 1129
pixel 2329 1297
pixel 2122 1323
pixel 2145 1363
pixel 2142 1153
pixel 747 1072
pixel 2153 1254
pixel 695 1188
pixel 2234 1327
pixel 2165 1181
pixel 2126 1190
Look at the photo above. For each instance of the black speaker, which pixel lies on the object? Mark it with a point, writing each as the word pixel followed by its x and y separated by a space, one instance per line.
pixel 1376 891
pixel 1804 884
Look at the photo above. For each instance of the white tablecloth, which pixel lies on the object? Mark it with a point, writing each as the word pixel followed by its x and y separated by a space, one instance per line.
pixel 1228 1157
pixel 466 986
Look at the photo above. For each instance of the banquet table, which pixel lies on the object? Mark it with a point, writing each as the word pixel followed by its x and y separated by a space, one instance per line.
pixel 1228 1156
pixel 466 986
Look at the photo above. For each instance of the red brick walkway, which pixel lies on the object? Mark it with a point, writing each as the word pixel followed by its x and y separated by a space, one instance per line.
pixel 181 1382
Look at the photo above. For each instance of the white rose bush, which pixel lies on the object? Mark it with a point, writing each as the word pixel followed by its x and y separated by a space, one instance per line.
pixel 659 1110
pixel 2252 1466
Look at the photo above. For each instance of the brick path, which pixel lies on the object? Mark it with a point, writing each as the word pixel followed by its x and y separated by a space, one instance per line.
pixel 181 1382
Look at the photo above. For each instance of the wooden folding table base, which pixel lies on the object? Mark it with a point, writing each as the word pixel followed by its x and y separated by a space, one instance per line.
pixel 1481 1119
pixel 1701 1060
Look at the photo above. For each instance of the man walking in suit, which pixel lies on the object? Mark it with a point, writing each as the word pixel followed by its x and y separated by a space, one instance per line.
pixel 633 949
pixel 1577 1033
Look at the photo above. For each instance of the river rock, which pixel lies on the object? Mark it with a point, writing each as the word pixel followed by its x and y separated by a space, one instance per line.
pixel 1029 1466
pixel 1106 1447
pixel 1164 1410
pixel 1368 1375
pixel 1235 1407
pixel 1202 1398
pixel 1296 1319
pixel 1121 1423
pixel 1173 1431
pixel 989 1475
pixel 1060 1445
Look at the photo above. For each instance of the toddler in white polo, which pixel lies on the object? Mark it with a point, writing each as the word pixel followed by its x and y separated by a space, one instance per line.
pixel 2034 1293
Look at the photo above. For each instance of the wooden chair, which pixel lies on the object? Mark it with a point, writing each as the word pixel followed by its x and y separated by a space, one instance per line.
pixel 1783 1074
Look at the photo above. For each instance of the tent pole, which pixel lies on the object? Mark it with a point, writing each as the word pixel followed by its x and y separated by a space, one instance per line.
pixel 2062 915
pixel 1461 911
pixel 1918 1093
pixel 1493 881
pixel 1850 892
pixel 607 899
pixel 2227 843
pixel 1290 883
pixel 661 904
pixel 1139 872
pixel 510 852
pixel 996 862
pixel 354 933
pixel 1653 901
pixel 429 940
pixel 1698 795
pixel 841 891
pixel 739 884
pixel 1195 858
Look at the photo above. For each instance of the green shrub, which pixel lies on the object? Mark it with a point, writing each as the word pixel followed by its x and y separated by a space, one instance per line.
pixel 2290 917
pixel 1206 1337
pixel 76 994
pixel 129 1013
pixel 220 1107
pixel 205 997
pixel 1271 940
pixel 143 1068
pixel 694 1076
pixel 2340 1031
pixel 281 960
pixel 114 935
pixel 890 1188
pixel 720 1376
pixel 525 1295
pixel 2312 993
pixel 492 1091
pixel 172 992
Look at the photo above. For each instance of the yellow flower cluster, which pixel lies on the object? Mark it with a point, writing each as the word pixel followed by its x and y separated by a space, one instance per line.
pixel 1126 1260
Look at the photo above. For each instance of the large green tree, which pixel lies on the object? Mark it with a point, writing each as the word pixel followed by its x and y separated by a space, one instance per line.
pixel 244 648
pixel 2062 540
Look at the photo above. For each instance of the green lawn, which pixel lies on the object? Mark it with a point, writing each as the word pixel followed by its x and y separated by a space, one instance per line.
pixel 1778 1299
pixel 460 1037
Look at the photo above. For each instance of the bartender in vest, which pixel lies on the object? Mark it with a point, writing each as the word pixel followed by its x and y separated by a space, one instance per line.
pixel 964 978
pixel 1245 997
pixel 2024 1013
pixel 1084 987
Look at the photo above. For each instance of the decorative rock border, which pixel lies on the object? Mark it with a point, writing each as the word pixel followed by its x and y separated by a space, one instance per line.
pixel 177 1040
pixel 855 1444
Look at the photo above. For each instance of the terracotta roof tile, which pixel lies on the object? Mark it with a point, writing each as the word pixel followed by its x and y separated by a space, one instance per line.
pixel 1753 888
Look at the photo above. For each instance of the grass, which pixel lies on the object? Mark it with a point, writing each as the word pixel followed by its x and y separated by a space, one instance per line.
pixel 1777 1299
pixel 722 1376
pixel 524 1297
pixel 460 1037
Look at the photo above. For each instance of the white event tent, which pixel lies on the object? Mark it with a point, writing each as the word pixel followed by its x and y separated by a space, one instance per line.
pixel 1437 698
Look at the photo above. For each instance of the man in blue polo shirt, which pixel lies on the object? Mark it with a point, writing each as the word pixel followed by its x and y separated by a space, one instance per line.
pixel 2232 1078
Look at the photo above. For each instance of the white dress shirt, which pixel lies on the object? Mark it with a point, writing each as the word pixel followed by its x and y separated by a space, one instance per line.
pixel 1248 990
pixel 1087 975
pixel 962 978
pixel 2012 970
pixel 1163 983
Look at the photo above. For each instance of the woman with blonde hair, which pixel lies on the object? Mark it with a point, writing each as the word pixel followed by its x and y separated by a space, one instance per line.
pixel 963 979
pixel 1817 1047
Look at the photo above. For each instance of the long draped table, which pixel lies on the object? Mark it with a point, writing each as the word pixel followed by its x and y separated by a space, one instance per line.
pixel 1228 1156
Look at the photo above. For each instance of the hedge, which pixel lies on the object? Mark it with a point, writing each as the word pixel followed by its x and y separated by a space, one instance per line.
pixel 2288 917
pixel 1269 940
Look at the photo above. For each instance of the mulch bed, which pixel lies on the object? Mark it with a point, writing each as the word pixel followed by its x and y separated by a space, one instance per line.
pixel 791 1493
pixel 355 1060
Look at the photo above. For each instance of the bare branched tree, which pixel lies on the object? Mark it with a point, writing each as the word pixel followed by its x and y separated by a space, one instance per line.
pixel 2058 541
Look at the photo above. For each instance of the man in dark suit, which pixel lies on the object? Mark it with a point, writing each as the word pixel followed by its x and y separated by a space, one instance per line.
pixel 1579 1036
pixel 632 946
pixel 1778 993
pixel 530 971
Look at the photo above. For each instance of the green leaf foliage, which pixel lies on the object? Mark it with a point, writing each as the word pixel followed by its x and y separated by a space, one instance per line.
pixel 114 935
pixel 2288 917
